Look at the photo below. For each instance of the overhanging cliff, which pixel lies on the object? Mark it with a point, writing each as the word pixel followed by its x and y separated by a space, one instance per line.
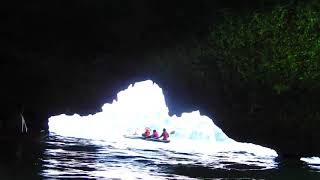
pixel 73 57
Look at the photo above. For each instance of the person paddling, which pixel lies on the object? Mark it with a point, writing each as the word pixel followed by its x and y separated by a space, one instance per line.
pixel 155 134
pixel 147 133
pixel 164 134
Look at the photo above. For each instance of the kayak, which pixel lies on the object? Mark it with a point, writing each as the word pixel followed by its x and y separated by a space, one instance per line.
pixel 148 139
pixel 157 140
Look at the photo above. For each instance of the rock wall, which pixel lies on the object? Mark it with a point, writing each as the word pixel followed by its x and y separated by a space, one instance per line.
pixel 73 57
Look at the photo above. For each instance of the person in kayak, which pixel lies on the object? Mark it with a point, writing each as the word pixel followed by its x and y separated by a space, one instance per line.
pixel 147 133
pixel 155 134
pixel 164 134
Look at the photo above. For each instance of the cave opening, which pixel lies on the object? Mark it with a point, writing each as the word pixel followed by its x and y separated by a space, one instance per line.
pixel 143 105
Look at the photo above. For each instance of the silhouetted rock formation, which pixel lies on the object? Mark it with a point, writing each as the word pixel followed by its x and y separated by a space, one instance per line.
pixel 72 57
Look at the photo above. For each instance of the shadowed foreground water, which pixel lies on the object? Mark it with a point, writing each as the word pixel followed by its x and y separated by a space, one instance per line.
pixel 61 157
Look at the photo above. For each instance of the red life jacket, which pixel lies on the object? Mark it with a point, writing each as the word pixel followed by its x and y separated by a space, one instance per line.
pixel 147 133
pixel 165 135
pixel 155 134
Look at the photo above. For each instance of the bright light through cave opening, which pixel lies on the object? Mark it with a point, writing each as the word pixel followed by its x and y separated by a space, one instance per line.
pixel 143 105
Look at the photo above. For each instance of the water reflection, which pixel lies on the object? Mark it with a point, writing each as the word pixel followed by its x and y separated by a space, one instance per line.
pixel 313 163
pixel 61 157
pixel 20 158
pixel 79 158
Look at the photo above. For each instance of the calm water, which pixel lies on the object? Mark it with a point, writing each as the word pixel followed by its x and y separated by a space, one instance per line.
pixel 61 157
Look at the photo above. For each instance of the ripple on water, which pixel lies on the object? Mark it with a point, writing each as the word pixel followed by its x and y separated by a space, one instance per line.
pixel 105 160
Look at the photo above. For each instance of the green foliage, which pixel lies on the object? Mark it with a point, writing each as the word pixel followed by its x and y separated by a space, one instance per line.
pixel 280 49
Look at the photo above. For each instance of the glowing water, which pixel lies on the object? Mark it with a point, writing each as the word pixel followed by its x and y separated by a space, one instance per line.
pixel 313 162
pixel 143 105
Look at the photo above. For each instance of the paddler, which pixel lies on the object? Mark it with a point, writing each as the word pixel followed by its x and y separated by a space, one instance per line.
pixel 147 133
pixel 164 134
pixel 155 134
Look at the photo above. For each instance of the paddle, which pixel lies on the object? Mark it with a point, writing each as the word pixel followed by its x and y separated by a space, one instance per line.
pixel 172 132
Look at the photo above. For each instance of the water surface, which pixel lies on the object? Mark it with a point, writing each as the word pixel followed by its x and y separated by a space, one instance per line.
pixel 61 157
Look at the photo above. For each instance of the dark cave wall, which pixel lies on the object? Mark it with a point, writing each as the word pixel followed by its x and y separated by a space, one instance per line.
pixel 42 88
pixel 284 122
pixel 248 113
pixel 68 57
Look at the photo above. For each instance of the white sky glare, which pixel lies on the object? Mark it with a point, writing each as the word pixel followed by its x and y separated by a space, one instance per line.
pixel 143 105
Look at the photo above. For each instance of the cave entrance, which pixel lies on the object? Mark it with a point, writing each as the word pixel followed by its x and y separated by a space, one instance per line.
pixel 143 105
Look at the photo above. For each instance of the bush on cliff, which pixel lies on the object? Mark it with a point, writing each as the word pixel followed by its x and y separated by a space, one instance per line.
pixel 279 49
